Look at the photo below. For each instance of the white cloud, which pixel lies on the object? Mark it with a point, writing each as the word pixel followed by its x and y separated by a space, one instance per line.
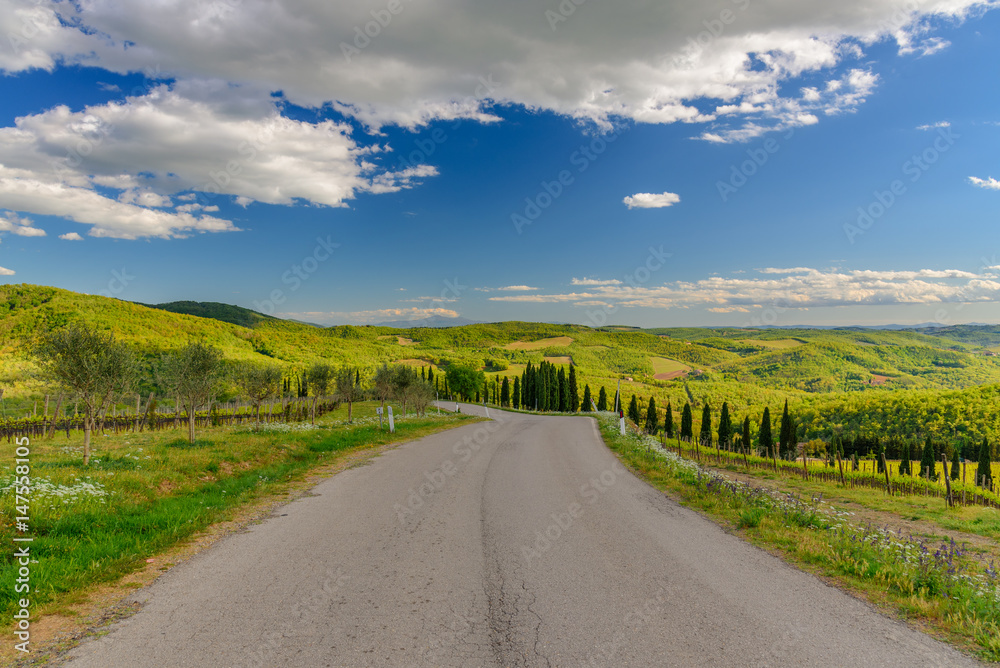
pixel 651 200
pixel 934 126
pixel 208 138
pixel 517 288
pixel 71 236
pixel 370 317
pixel 798 287
pixel 15 224
pixel 989 183
pixel 594 281
pixel 6 272
pixel 438 59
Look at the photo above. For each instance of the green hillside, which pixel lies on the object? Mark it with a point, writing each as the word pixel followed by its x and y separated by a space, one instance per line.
pixel 234 315
pixel 747 367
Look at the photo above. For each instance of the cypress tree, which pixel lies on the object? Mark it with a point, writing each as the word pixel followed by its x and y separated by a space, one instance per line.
pixel 725 427
pixel 516 393
pixel 705 437
pixel 652 419
pixel 668 421
pixel 574 394
pixel 955 464
pixel 633 410
pixel 984 474
pixel 765 438
pixel 542 388
pixel 786 437
pixel 525 400
pixel 746 434
pixel 585 404
pixel 687 423
pixel 430 375
pixel 505 393
pixel 904 460
pixel 927 460
pixel 602 400
pixel 563 391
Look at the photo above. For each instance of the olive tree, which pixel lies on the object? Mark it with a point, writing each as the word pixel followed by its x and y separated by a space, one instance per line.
pixel 93 365
pixel 258 382
pixel 319 375
pixel 383 383
pixel 194 375
pixel 349 388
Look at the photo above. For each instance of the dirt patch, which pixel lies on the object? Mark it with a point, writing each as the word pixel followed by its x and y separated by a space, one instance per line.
pixel 669 376
pixel 879 380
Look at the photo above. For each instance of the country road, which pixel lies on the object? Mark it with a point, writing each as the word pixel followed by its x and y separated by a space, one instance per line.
pixel 517 542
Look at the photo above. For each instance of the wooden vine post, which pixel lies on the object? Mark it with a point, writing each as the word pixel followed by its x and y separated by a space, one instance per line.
pixel 947 479
pixel 885 469
pixel 840 463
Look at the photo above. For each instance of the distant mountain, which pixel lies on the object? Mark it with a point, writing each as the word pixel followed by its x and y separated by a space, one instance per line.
pixel 433 321
pixel 234 315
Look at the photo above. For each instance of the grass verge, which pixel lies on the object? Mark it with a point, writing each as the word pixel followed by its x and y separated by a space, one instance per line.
pixel 148 492
pixel 944 586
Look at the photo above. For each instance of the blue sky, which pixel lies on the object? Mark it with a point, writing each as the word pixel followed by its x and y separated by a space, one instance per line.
pixel 736 163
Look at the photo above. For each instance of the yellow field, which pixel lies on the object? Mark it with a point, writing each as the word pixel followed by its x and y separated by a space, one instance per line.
pixel 775 344
pixel 415 362
pixel 511 371
pixel 559 361
pixel 541 343
pixel 665 368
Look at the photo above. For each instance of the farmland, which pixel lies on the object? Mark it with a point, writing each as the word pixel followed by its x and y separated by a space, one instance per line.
pixel 860 394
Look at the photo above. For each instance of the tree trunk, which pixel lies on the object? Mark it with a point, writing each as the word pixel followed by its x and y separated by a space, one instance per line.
pixel 86 439
pixel 55 415
pixel 350 409
pixel 191 425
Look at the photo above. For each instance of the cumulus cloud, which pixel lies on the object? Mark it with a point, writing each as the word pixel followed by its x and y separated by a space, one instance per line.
pixel 651 200
pixel 989 183
pixel 517 288
pixel 370 317
pixel 652 63
pixel 71 236
pixel 197 141
pixel 594 281
pixel 799 287
pixel 6 272
pixel 15 224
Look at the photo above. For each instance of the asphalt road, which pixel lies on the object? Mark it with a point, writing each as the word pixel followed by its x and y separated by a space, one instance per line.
pixel 519 542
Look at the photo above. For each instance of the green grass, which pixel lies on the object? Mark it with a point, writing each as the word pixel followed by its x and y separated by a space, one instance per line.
pixel 886 568
pixel 539 344
pixel 144 493
pixel 775 344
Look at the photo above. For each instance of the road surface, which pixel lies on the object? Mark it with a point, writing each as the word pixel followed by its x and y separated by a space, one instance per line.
pixel 517 542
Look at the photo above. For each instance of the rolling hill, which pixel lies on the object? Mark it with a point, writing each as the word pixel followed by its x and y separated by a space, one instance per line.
pixel 743 363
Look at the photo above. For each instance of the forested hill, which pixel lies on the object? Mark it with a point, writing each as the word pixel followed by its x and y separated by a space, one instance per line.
pixel 772 363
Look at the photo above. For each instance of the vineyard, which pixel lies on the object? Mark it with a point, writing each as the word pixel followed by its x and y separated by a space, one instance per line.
pixel 159 419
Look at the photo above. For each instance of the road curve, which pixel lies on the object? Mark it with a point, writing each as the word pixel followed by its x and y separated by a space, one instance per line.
pixel 517 542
